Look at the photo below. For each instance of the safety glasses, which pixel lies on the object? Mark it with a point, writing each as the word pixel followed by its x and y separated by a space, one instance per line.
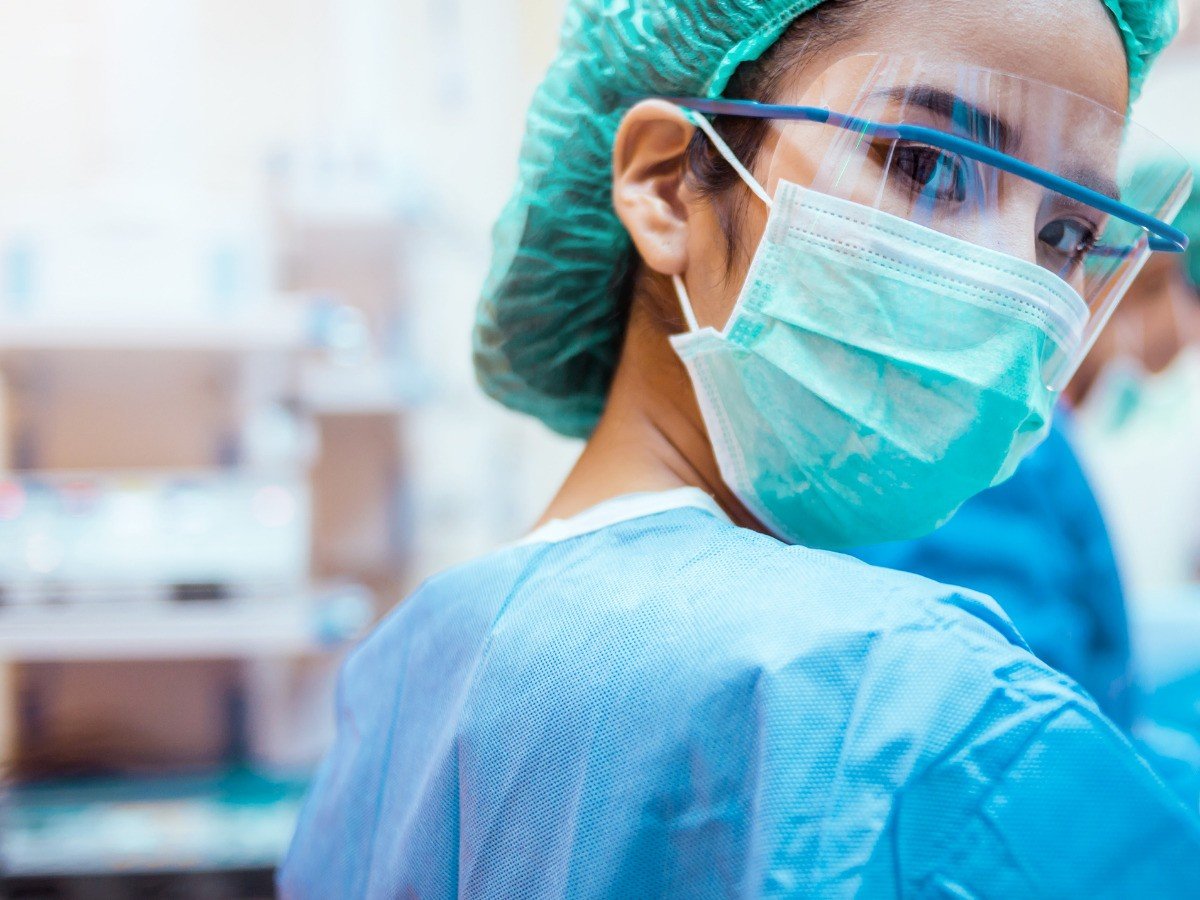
pixel 1018 166
pixel 1160 235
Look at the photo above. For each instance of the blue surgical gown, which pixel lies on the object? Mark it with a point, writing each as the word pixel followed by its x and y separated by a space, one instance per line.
pixel 1038 545
pixel 672 706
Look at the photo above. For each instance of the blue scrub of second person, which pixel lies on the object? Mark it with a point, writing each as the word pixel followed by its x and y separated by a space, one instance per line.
pixel 1038 545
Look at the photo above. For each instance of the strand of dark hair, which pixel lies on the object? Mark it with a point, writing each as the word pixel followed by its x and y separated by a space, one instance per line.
pixel 707 171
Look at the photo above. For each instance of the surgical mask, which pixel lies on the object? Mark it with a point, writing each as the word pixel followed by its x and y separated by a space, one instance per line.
pixel 1138 434
pixel 874 374
pixel 1128 397
pixel 1126 391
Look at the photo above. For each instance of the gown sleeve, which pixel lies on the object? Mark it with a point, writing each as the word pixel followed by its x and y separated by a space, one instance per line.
pixel 1070 810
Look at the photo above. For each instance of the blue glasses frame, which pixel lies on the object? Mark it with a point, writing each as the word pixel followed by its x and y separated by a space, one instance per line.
pixel 1162 237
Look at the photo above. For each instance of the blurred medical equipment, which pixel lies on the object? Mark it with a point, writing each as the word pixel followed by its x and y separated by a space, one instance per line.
pixel 96 538
pixel 201 500
pixel 88 257
pixel 227 823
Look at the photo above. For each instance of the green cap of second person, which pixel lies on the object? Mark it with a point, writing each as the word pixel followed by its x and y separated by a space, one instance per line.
pixel 1188 221
pixel 549 327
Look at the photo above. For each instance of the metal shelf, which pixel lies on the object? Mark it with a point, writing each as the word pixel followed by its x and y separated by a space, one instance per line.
pixel 275 330
pixel 229 820
pixel 287 626
pixel 374 389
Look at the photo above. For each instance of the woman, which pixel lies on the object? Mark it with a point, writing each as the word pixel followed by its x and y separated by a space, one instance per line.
pixel 818 323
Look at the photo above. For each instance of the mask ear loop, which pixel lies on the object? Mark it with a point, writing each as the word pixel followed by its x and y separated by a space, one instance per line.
pixel 685 303
pixel 728 155
pixel 701 122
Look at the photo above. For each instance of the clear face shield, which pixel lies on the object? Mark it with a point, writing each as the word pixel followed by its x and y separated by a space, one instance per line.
pixel 1012 165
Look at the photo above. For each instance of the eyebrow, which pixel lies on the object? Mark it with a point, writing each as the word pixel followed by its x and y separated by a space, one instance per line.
pixel 1000 134
pixel 1101 184
pixel 979 125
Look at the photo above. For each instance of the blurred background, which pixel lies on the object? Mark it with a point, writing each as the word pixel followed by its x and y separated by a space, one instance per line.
pixel 239 249
pixel 240 245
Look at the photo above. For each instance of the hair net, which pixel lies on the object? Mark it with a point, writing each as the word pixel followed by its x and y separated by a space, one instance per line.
pixel 548 328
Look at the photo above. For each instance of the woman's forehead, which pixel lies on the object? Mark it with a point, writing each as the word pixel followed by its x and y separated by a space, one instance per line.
pixel 1040 123
pixel 1070 44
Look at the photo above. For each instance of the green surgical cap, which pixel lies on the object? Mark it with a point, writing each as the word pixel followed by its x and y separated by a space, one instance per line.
pixel 549 326
pixel 1188 221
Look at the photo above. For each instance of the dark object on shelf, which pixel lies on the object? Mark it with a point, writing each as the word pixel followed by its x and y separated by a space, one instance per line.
pixel 243 884
pixel 200 591
pixel 168 836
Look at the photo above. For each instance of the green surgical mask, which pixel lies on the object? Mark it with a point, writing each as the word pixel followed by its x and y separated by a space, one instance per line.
pixel 875 374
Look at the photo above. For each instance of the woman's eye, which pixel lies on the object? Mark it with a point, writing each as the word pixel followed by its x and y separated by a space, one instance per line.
pixel 931 171
pixel 1069 238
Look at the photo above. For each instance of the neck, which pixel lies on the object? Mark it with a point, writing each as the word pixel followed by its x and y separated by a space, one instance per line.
pixel 651 436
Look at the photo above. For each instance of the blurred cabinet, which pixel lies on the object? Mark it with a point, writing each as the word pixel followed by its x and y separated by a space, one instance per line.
pixel 201 506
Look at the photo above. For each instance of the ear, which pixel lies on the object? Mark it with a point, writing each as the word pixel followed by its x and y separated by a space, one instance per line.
pixel 649 193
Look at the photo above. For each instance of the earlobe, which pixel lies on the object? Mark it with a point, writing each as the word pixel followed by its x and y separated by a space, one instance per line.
pixel 649 189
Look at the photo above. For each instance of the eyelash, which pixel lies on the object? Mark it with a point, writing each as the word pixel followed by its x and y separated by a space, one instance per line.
pixel 919 165
pixel 908 157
